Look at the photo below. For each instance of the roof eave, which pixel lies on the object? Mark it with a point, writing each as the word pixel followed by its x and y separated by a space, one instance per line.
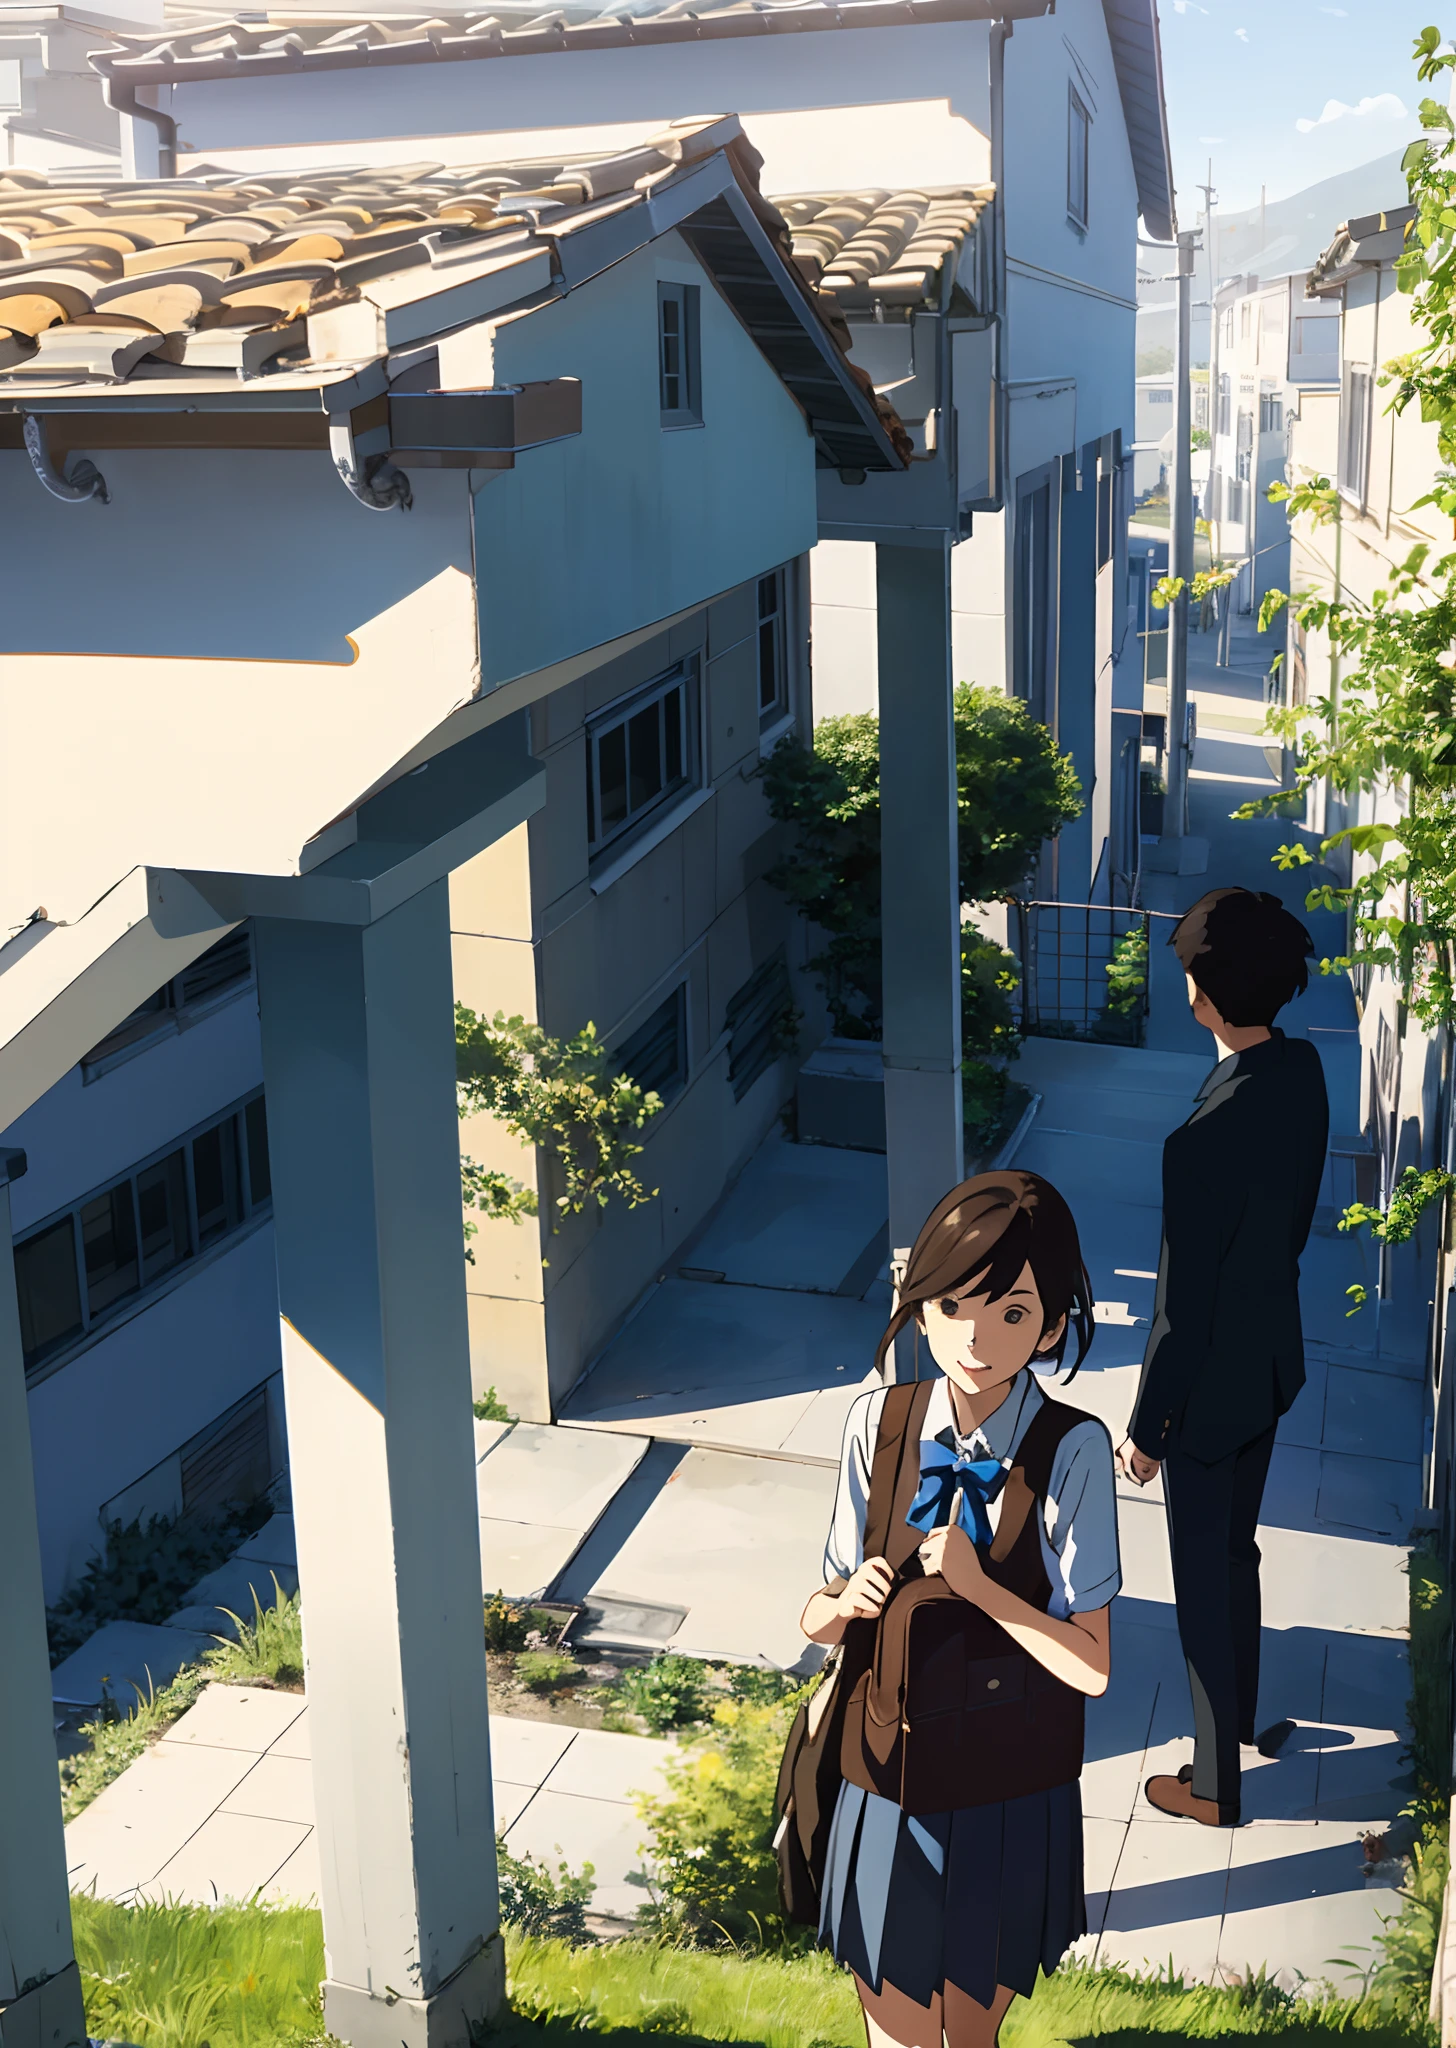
pixel 815 16
pixel 1137 56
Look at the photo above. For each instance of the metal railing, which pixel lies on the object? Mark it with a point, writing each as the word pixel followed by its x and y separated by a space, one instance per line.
pixel 1084 971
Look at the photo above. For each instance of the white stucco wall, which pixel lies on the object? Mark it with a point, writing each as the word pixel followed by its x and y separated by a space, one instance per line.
pixel 842 576
pixel 79 1135
pixel 626 523
pixel 918 82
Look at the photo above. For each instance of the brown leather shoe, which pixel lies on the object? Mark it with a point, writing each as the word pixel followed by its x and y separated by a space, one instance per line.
pixel 1176 1797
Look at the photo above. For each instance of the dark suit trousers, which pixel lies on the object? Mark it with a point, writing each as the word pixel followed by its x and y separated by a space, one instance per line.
pixel 1213 1513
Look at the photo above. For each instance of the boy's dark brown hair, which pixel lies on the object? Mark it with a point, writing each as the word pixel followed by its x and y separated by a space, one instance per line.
pixel 987 1230
pixel 1245 951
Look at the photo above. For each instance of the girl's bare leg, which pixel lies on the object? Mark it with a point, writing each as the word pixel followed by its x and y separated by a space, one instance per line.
pixel 894 2021
pixel 969 2025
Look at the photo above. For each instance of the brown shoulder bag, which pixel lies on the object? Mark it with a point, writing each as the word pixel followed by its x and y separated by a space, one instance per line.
pixel 810 1775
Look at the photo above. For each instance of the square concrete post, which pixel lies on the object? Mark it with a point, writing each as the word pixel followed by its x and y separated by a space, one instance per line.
pixel 359 1066
pixel 40 1986
pixel 919 887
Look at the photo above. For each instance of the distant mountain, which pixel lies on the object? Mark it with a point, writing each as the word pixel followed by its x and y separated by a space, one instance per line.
pixel 1294 232
pixel 1296 229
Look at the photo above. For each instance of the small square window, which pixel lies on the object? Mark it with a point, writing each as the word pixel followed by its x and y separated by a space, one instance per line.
pixel 656 1055
pixel 677 355
pixel 1079 128
pixel 773 665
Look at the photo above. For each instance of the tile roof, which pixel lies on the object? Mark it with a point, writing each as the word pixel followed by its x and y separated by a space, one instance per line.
pixel 882 248
pixel 1369 238
pixel 219 280
pixel 265 44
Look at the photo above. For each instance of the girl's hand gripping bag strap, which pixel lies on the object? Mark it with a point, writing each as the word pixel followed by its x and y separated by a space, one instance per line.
pixel 810 1774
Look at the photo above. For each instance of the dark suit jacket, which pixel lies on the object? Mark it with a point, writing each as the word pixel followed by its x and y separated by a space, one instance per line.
pixel 1240 1181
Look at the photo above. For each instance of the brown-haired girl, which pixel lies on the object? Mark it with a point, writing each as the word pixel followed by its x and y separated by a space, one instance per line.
pixel 969 1569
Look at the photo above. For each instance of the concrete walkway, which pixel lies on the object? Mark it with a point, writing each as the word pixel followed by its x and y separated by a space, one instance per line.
pixel 222 1807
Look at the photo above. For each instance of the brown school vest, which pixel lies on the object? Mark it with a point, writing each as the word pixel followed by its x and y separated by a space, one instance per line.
pixel 952 1712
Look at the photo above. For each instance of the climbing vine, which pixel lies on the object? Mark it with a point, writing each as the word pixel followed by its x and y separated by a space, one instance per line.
pixel 561 1095
pixel 1388 723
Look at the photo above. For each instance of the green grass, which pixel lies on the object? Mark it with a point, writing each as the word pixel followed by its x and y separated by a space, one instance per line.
pixel 1401 1978
pixel 179 1976
pixel 269 1648
pixel 115 1744
pixel 248 1976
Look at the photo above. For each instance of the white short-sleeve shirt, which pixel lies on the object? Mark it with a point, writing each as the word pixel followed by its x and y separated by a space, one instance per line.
pixel 1079 1528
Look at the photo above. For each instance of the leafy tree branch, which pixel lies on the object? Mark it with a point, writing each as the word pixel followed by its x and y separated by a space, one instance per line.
pixel 560 1095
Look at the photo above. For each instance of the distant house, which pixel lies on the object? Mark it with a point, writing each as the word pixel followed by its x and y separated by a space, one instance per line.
pixel 605 433
pixel 1153 434
pixel 1272 342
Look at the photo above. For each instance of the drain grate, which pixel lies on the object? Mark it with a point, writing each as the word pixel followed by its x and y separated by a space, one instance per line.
pixel 623 1624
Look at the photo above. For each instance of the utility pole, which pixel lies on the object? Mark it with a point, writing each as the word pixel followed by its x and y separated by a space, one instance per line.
pixel 1176 853
pixel 1210 201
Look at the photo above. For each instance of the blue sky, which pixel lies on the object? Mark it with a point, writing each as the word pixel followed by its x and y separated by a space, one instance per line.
pixel 1285 92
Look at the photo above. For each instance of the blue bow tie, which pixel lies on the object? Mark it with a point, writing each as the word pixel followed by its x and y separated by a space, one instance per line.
pixel 942 1470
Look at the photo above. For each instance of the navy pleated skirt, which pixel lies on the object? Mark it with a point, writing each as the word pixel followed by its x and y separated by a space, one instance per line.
pixel 981 1896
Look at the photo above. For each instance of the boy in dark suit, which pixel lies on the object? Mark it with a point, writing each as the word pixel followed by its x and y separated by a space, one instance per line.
pixel 1226 1355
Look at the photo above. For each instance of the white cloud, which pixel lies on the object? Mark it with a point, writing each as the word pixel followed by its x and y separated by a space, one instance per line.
pixel 1242 34
pixel 1384 104
pixel 1182 7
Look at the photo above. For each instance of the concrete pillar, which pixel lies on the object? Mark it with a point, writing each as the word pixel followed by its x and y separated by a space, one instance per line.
pixel 359 1065
pixel 40 1986
pixel 920 893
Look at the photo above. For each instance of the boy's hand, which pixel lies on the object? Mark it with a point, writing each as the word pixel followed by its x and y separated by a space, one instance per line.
pixel 866 1592
pixel 1136 1465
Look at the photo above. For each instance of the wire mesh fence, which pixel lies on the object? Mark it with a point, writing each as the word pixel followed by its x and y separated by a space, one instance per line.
pixel 1084 971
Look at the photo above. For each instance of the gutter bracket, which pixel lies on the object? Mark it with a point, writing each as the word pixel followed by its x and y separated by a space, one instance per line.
pixel 84 479
pixel 376 482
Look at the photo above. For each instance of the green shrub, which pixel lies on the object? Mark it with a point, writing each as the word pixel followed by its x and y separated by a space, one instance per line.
pixel 509 1623
pixel 1127 972
pixel 143 1572
pixel 562 1095
pixel 491 1408
pixel 269 1647
pixel 668 1693
pixel 544 1670
pixel 1015 792
pixel 711 1834
pixel 756 1686
pixel 984 1090
pixel 538 1903
pixel 1400 1983
pixel 990 977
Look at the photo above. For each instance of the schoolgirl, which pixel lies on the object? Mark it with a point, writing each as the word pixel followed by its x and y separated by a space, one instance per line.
pixel 969 1570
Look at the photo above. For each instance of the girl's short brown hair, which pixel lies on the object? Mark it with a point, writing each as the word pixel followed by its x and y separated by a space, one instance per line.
pixel 988 1229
